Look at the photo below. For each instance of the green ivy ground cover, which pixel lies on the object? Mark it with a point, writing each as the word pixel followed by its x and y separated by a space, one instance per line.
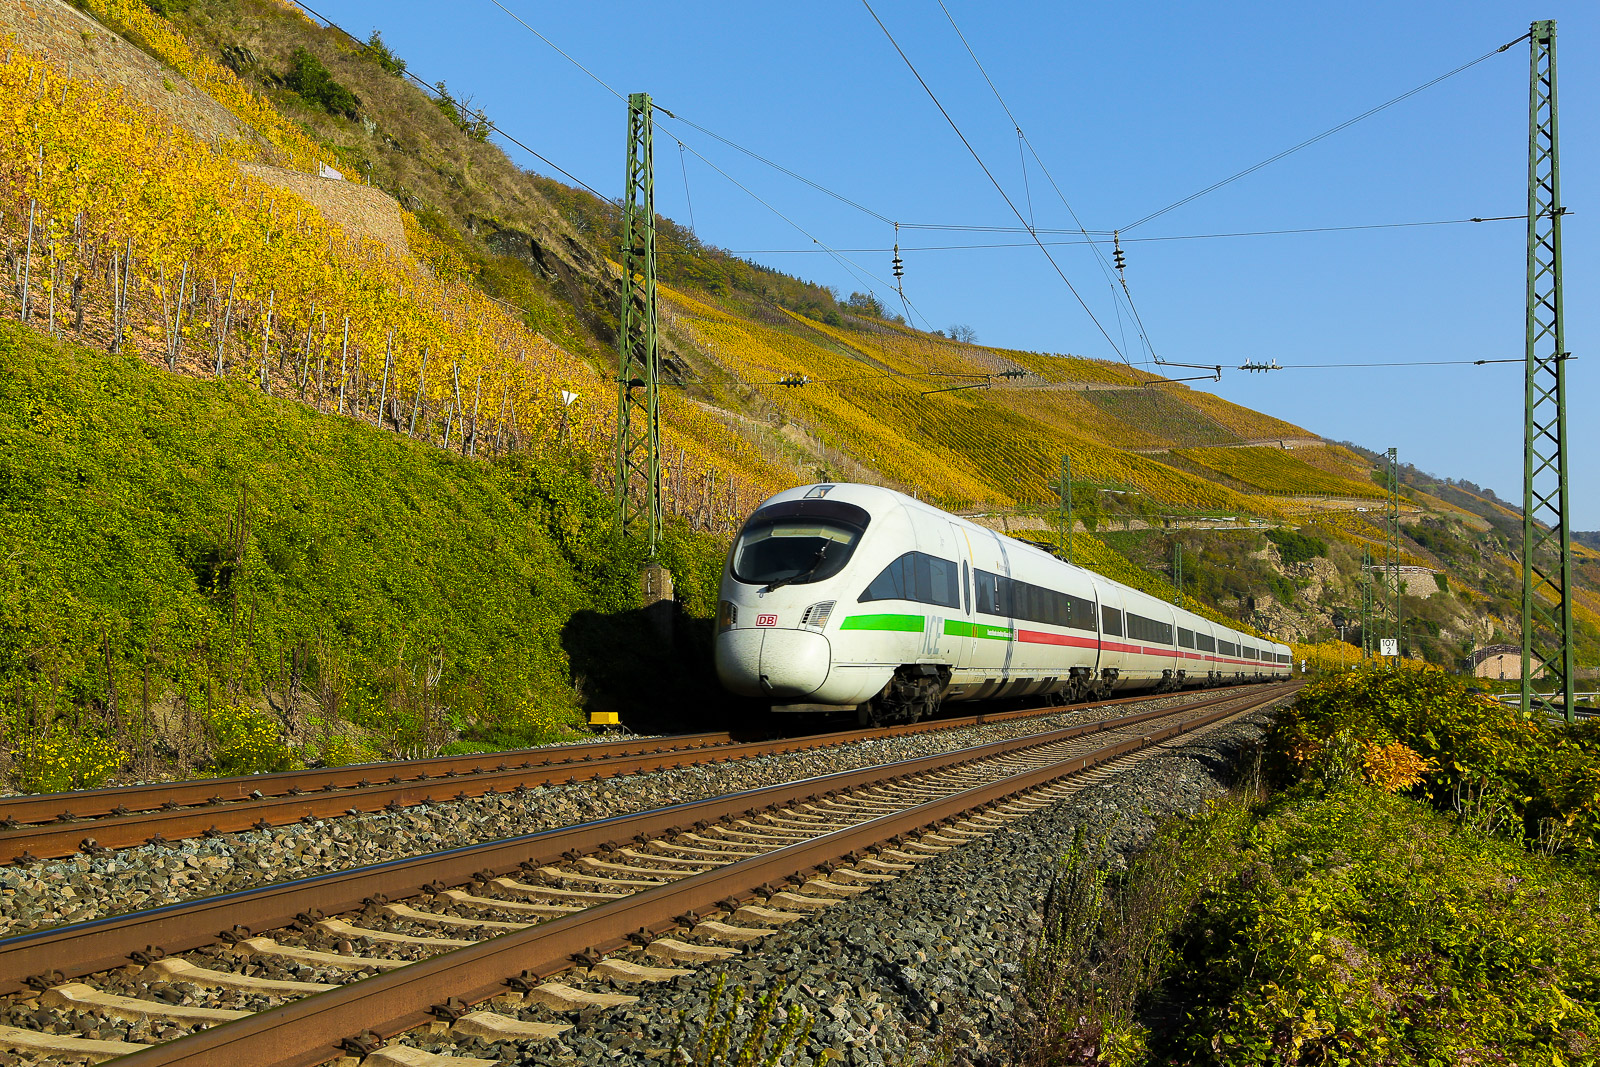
pixel 189 565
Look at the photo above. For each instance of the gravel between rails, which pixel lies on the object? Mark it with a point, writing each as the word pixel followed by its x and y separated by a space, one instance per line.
pixel 83 887
pixel 923 969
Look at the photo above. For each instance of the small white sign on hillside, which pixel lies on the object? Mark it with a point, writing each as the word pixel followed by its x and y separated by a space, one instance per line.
pixel 1388 646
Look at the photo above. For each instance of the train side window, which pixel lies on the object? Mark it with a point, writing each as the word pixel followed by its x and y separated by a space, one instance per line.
pixel 1143 629
pixel 1205 642
pixel 986 592
pixel 892 583
pixel 1005 602
pixel 943 585
pixel 1111 621
pixel 1080 613
pixel 966 588
pixel 919 577
pixel 1185 637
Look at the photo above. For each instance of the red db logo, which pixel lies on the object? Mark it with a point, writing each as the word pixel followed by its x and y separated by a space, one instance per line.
pixel 766 620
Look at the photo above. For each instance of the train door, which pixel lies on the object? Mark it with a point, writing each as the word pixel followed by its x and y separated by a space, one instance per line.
pixel 960 633
pixel 1115 662
pixel 945 551
pixel 991 644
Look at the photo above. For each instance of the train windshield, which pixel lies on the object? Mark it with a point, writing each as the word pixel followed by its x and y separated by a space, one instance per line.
pixel 797 542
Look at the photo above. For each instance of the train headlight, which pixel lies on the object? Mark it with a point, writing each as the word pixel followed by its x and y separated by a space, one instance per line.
pixel 727 615
pixel 817 614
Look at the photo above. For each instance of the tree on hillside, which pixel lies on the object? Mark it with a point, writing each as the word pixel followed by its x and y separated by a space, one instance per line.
pixel 380 54
pixel 314 83
pixel 866 304
pixel 963 333
pixel 474 122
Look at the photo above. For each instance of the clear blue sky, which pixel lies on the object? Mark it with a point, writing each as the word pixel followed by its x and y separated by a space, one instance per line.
pixel 1131 107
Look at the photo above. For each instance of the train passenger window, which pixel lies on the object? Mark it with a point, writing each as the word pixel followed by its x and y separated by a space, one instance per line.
pixel 1227 648
pixel 1111 621
pixel 966 587
pixel 995 594
pixel 920 577
pixel 1251 653
pixel 1205 642
pixel 1143 629
pixel 1005 596
pixel 1185 637
pixel 986 592
pixel 1080 613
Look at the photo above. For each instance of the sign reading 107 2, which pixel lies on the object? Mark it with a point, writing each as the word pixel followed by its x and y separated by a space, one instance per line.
pixel 1388 646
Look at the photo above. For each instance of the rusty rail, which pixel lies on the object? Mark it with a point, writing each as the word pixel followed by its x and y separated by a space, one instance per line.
pixel 84 948
pixel 221 806
pixel 307 1032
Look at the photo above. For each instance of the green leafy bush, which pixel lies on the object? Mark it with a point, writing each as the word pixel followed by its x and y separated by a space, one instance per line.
pixel 380 53
pixel 341 751
pixel 1296 547
pixel 204 540
pixel 64 760
pixel 248 742
pixel 1364 929
pixel 315 83
pixel 1485 761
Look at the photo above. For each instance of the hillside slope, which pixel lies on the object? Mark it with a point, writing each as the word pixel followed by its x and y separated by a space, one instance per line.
pixel 499 303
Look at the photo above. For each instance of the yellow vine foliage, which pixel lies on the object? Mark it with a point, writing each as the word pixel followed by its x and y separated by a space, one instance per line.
pixel 1278 470
pixel 870 396
pixel 1248 424
pixel 229 274
pixel 292 146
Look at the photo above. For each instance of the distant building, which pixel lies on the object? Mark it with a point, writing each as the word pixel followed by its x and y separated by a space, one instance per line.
pixel 1497 661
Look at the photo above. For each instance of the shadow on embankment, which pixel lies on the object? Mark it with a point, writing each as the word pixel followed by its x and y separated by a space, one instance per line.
pixel 653 667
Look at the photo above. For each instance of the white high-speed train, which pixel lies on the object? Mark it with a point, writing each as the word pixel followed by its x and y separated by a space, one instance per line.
pixel 854 596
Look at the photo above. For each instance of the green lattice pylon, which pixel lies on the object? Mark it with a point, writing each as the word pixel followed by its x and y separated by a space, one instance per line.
pixel 1366 604
pixel 1064 521
pixel 1393 585
pixel 638 470
pixel 1546 538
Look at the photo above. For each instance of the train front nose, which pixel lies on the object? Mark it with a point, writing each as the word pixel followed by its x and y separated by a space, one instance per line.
pixel 780 665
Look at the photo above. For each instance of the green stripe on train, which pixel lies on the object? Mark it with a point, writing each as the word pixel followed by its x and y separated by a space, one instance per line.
pixel 983 631
pixel 906 623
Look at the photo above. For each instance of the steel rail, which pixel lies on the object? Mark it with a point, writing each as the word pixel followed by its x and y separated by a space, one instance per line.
pixel 307 1032
pixel 78 949
pixel 53 839
pixel 152 796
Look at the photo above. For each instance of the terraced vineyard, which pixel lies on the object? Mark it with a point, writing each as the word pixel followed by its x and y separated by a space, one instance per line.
pixel 1163 417
pixel 926 414
pixel 1278 471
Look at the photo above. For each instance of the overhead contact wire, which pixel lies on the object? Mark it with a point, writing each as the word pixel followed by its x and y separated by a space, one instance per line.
pixel 1022 139
pixel 1172 237
pixel 992 180
pixel 1308 142
pixel 557 48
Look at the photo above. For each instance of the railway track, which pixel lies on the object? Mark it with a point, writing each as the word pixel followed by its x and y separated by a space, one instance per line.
pixel 537 926
pixel 53 825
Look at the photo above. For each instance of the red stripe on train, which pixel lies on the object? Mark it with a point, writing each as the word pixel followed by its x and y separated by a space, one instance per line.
pixel 1035 637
